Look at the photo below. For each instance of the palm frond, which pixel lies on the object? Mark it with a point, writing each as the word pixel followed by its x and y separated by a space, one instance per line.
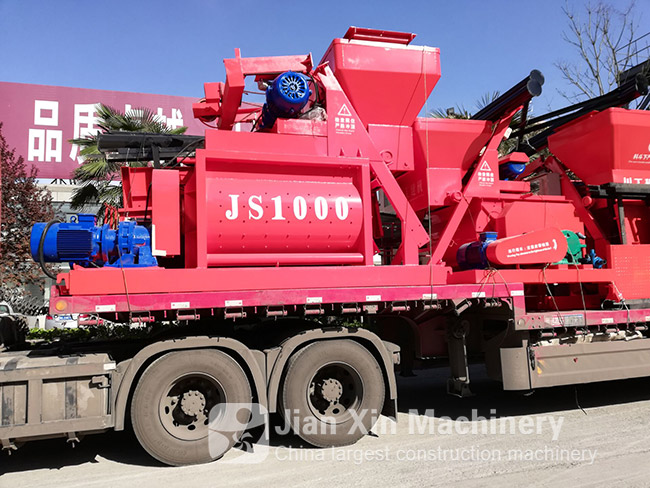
pixel 84 141
pixel 83 195
pixel 486 99
pixel 458 112
pixel 96 173
pixel 93 170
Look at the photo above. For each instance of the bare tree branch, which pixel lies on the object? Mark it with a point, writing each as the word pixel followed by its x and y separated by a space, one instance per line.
pixel 606 46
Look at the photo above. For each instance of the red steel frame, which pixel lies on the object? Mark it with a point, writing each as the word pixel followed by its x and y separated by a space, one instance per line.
pixel 377 154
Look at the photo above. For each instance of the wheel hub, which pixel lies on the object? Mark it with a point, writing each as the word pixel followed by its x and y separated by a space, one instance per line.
pixel 192 403
pixel 331 390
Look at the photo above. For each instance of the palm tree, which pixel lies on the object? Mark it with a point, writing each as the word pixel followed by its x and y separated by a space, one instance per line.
pixel 460 112
pixel 97 177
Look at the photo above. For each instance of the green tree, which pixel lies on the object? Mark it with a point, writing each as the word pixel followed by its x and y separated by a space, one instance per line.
pixel 97 177
pixel 23 203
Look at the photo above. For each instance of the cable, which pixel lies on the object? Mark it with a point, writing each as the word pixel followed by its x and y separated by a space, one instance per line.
pixel 317 99
pixel 633 41
pixel 582 295
pixel 492 271
pixel 548 290
pixel 146 204
pixel 575 389
pixel 208 125
pixel 126 289
pixel 505 283
pixel 187 146
pixel 41 257
pixel 255 122
pixel 623 301
pixel 636 52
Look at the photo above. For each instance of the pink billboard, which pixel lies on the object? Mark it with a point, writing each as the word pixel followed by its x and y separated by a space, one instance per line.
pixel 38 120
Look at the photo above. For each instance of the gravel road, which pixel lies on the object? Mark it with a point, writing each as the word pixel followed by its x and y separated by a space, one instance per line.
pixel 592 435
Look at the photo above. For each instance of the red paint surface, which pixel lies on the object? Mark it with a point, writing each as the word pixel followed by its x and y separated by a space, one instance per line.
pixel 371 90
pixel 608 146
pixel 542 246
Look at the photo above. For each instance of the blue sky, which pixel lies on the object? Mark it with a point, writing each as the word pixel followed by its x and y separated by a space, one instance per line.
pixel 174 46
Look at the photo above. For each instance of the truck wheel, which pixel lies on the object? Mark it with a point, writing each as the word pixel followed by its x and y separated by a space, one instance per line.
pixel 333 393
pixel 171 406
pixel 13 330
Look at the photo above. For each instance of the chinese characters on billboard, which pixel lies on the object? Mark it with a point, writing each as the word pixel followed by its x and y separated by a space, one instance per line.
pixel 38 120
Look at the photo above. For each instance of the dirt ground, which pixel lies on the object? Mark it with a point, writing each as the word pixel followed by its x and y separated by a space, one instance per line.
pixel 590 435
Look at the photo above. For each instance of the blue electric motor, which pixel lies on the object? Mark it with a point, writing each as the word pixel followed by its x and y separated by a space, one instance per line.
pixel 285 98
pixel 85 244
pixel 472 255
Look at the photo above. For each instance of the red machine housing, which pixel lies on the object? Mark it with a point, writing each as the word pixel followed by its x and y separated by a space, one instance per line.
pixel 546 246
pixel 608 146
pixel 386 80
pixel 256 212
pixel 260 211
pixel 611 150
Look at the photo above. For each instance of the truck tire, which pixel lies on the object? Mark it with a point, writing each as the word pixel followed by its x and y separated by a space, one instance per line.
pixel 333 393
pixel 171 406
